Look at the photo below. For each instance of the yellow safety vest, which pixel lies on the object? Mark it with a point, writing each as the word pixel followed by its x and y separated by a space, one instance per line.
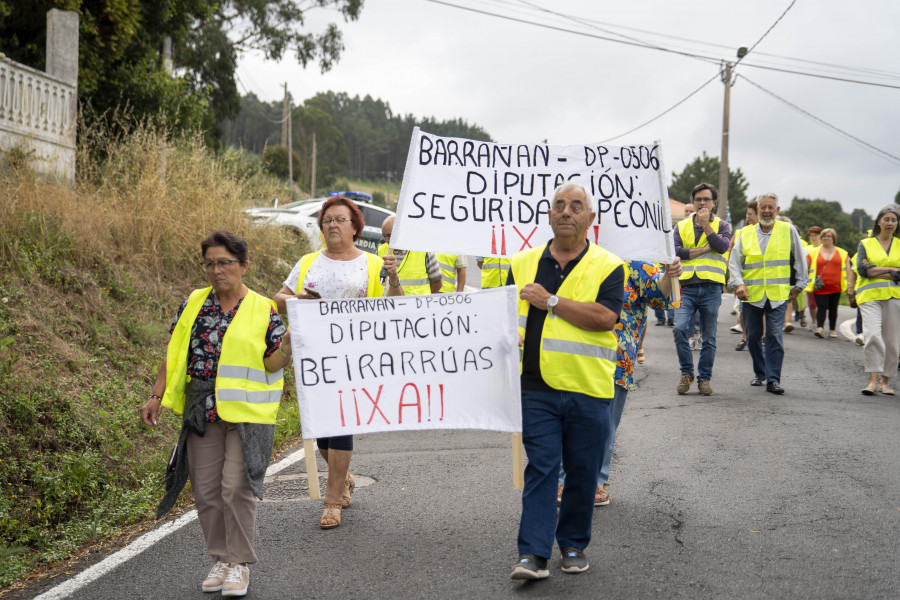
pixel 245 391
pixel 768 275
pixel 447 262
pixel 572 359
pixel 814 256
pixel 413 274
pixel 373 271
pixel 383 250
pixel 710 266
pixel 879 289
pixel 494 272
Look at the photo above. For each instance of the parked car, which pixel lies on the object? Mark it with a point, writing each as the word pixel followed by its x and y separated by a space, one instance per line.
pixel 302 216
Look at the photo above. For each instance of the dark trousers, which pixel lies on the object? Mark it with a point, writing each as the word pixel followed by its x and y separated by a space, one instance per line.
pixel 829 303
pixel 766 365
pixel 579 424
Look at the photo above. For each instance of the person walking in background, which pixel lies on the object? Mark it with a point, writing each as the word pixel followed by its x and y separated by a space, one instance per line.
pixel 453 272
pixel 878 296
pixel 751 218
pixel 494 271
pixel 701 243
pixel 645 286
pixel 812 234
pixel 828 266
pixel 761 276
pixel 223 373
pixel 340 270
pixel 570 298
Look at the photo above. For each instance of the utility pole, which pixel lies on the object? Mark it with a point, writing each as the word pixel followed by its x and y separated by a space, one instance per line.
pixel 290 145
pixel 312 186
pixel 722 211
pixel 284 113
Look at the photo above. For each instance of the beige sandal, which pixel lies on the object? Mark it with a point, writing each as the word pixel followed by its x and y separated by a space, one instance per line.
pixel 349 486
pixel 640 356
pixel 331 515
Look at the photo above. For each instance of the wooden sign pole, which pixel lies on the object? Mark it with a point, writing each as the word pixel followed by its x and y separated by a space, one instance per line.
pixel 312 470
pixel 518 462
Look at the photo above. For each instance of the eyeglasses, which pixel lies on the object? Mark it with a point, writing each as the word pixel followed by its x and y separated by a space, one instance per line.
pixel 339 221
pixel 222 264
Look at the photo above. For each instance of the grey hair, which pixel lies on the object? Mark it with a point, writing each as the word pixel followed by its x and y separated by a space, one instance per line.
pixel 572 185
pixel 768 195
pixel 890 208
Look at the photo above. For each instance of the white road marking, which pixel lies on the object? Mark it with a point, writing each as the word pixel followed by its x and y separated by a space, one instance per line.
pixel 147 540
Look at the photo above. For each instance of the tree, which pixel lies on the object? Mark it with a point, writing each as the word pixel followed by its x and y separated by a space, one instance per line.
pixel 120 61
pixel 275 161
pixel 804 213
pixel 897 198
pixel 705 169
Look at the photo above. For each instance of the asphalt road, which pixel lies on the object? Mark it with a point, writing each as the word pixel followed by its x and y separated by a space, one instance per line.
pixel 743 494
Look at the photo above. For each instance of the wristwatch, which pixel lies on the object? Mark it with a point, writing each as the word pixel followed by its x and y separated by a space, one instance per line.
pixel 552 301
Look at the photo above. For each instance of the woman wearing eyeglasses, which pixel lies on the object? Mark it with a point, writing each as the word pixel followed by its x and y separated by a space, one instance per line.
pixel 340 270
pixel 223 373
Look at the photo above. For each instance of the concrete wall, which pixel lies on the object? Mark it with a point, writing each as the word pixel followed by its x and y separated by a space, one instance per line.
pixel 38 110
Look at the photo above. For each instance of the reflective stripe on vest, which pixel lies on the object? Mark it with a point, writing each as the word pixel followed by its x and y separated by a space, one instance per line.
pixel 813 260
pixel 413 274
pixel 447 263
pixel 711 265
pixel 374 289
pixel 245 391
pixel 767 275
pixel 572 359
pixel 494 272
pixel 876 288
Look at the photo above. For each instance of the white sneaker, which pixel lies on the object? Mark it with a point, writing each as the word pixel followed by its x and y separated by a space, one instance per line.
pixel 215 579
pixel 736 328
pixel 859 340
pixel 237 580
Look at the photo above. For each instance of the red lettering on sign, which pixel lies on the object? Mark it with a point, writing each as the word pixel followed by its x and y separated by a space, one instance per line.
pixel 503 240
pixel 417 403
pixel 341 404
pixel 375 405
pixel 525 242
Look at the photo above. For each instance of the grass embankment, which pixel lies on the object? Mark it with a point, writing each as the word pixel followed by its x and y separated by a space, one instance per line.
pixel 90 277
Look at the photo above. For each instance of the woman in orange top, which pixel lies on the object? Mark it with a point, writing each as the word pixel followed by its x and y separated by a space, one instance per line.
pixel 831 264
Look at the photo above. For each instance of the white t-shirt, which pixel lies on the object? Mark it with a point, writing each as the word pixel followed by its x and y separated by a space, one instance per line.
pixel 332 278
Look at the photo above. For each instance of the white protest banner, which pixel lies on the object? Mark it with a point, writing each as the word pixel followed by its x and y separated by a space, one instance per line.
pixel 445 361
pixel 468 197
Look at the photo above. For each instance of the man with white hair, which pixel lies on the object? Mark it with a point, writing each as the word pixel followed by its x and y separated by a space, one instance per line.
pixel 768 270
pixel 570 297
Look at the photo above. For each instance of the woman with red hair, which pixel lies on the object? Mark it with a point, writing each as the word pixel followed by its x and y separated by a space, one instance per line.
pixel 340 270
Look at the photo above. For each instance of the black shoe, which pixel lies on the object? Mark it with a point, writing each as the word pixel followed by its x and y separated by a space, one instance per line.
pixel 774 388
pixel 574 560
pixel 670 322
pixel 756 382
pixel 741 345
pixel 530 567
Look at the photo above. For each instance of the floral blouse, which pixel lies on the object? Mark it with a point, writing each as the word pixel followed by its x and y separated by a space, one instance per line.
pixel 641 291
pixel 206 341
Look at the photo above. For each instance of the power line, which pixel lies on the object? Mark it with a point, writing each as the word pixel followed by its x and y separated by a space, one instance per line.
pixel 886 155
pixel 778 20
pixel 651 46
pixel 884 85
pixel 665 112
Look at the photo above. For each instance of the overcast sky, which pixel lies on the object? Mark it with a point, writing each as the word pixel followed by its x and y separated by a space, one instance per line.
pixel 526 83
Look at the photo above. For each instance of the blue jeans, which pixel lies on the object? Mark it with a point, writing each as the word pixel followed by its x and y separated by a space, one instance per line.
pixel 702 299
pixel 615 417
pixel 766 365
pixel 579 424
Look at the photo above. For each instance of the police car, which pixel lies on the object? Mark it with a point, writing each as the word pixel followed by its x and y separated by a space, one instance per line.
pixel 302 216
